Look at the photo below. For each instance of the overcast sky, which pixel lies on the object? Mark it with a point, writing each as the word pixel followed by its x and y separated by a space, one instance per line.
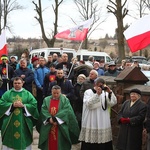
pixel 25 25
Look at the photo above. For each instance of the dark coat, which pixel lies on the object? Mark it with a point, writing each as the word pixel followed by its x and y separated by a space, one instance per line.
pixel 50 77
pixel 130 135
pixel 112 73
pixel 67 67
pixel 4 76
pixel 147 123
pixel 13 64
pixel 87 84
pixel 29 77
pixel 79 100
pixel 66 88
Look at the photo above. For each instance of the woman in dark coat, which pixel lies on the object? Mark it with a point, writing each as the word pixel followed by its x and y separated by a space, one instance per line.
pixel 130 118
pixel 78 104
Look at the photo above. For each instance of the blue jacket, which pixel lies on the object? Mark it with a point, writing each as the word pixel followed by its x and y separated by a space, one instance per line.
pixel 39 75
pixel 29 65
pixel 100 72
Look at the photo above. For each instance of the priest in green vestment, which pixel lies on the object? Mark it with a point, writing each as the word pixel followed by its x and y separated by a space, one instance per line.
pixel 59 128
pixel 18 115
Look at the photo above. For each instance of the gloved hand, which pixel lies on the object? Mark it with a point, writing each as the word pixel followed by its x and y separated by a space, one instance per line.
pixel 125 120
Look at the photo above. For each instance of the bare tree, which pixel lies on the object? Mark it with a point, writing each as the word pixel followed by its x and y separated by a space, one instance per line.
pixel 38 9
pixel 6 7
pixel 147 3
pixel 117 8
pixel 89 9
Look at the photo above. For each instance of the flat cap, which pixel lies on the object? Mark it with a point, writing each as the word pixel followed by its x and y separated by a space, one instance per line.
pixel 135 91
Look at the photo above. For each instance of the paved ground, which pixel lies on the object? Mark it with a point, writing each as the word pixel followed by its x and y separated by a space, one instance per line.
pixel 35 142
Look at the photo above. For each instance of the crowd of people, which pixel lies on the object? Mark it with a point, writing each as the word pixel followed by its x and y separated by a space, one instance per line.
pixel 68 102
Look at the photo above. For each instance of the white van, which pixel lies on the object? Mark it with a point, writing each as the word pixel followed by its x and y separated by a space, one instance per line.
pixel 84 55
pixel 49 51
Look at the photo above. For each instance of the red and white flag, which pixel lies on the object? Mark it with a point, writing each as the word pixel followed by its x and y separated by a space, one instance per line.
pixel 138 34
pixel 3 44
pixel 77 33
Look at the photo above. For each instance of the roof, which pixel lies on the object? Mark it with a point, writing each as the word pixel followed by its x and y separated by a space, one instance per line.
pixel 132 75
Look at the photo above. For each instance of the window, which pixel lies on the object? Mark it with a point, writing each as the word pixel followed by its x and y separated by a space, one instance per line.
pixel 78 57
pixel 85 58
pixel 70 56
pixel 98 58
pixel 42 54
pixel 51 53
pixel 108 59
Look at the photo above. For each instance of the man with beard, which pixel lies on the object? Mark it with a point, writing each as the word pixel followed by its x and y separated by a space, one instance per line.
pixel 67 88
pixel 66 66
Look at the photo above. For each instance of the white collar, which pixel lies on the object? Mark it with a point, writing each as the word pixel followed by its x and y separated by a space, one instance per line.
pixel 18 90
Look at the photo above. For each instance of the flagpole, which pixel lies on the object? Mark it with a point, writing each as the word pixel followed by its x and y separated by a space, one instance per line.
pixel 80 45
pixel 74 61
pixel 75 34
pixel 7 76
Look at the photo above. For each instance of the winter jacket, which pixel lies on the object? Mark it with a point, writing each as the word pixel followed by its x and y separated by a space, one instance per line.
pixel 29 77
pixel 39 75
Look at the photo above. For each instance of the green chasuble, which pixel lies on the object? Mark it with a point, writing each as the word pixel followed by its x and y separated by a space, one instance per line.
pixel 68 132
pixel 17 127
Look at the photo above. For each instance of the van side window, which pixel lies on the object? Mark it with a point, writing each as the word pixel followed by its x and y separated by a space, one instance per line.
pixel 85 58
pixel 108 59
pixel 70 56
pixel 78 57
pixel 98 58
pixel 42 54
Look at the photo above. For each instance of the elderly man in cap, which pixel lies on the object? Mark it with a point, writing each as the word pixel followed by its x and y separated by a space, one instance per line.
pixel 131 118
pixel 6 74
pixel 112 70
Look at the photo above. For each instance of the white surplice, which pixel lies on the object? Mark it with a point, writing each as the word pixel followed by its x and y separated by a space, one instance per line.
pixel 96 126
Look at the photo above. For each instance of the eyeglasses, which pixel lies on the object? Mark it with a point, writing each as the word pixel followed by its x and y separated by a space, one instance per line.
pixel 4 59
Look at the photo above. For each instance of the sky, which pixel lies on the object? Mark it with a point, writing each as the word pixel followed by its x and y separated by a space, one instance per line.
pixel 26 26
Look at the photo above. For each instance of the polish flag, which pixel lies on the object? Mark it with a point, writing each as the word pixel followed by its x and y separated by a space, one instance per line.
pixel 77 33
pixel 3 44
pixel 138 34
